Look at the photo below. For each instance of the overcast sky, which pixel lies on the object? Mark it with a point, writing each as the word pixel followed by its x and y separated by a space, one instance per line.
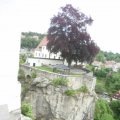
pixel 34 15
pixel 18 16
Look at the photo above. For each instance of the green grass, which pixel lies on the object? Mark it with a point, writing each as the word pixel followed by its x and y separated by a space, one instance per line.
pixel 82 89
pixel 26 109
pixel 71 92
pixel 60 81
pixel 46 68
pixel 75 75
pixel 49 69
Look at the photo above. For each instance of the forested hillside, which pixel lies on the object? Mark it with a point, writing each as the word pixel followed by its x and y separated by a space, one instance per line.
pixel 30 40
pixel 107 56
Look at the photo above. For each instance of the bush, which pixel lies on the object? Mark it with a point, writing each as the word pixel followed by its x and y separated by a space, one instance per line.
pixel 100 73
pixel 115 106
pixel 22 58
pixel 71 92
pixel 34 74
pixel 90 68
pixel 102 111
pixel 26 110
pixel 83 89
pixel 107 117
pixel 21 75
pixel 60 81
pixel 99 89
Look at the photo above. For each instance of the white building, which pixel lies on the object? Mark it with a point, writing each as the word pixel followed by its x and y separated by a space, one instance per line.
pixel 42 52
pixel 43 56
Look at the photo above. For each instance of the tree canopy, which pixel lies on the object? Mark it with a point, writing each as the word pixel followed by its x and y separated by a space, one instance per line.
pixel 103 56
pixel 68 35
pixel 103 111
pixel 115 106
pixel 29 42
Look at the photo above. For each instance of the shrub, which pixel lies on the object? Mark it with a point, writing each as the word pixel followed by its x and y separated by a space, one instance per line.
pixel 34 74
pixel 26 110
pixel 99 89
pixel 22 58
pixel 115 106
pixel 90 68
pixel 107 117
pixel 102 73
pixel 71 92
pixel 60 81
pixel 102 110
pixel 21 75
pixel 74 92
pixel 83 89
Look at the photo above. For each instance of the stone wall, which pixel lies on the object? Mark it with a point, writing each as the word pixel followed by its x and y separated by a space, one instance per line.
pixel 75 82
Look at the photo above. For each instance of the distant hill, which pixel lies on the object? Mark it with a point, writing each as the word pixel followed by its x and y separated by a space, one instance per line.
pixel 103 56
pixel 30 40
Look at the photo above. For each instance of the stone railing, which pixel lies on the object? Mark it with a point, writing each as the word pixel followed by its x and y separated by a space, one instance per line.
pixel 75 82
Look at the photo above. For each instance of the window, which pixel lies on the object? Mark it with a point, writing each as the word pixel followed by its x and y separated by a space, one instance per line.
pixel 54 57
pixel 43 48
pixel 40 48
pixel 39 54
pixel 42 55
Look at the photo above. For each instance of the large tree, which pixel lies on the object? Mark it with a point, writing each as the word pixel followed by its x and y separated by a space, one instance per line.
pixel 68 34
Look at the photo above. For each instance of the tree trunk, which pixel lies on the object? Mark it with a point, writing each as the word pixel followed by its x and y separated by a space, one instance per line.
pixel 49 55
pixel 69 63
pixel 76 62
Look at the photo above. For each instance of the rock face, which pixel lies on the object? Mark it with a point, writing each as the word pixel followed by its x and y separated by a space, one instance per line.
pixel 50 102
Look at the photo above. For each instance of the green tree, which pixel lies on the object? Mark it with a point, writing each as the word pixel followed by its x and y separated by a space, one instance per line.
pixel 23 58
pixel 99 89
pixel 115 106
pixel 68 35
pixel 100 57
pixel 29 42
pixel 107 117
pixel 102 111
pixel 113 83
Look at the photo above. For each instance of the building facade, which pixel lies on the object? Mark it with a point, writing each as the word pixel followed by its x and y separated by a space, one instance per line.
pixel 42 56
pixel 42 52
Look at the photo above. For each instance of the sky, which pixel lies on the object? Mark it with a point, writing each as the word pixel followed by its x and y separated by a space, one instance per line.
pixel 35 15
pixel 18 16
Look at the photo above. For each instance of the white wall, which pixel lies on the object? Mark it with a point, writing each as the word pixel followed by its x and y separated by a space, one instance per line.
pixel 44 53
pixel 39 62
pixel 9 62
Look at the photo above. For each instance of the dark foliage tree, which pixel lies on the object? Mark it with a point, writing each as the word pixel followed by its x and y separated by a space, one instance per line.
pixel 68 35
pixel 115 106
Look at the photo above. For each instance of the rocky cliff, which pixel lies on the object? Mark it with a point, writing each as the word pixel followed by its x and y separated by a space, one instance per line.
pixel 50 102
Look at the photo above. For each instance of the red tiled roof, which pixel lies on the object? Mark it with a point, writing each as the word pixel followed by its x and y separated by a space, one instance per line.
pixel 42 43
pixel 116 95
pixel 110 62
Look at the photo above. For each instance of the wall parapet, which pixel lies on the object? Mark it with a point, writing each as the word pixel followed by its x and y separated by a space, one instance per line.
pixel 75 82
